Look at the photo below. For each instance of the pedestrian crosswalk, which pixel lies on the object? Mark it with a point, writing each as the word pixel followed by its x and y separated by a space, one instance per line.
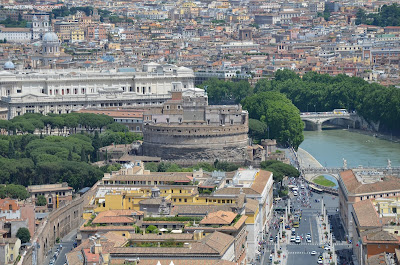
pixel 308 244
pixel 299 253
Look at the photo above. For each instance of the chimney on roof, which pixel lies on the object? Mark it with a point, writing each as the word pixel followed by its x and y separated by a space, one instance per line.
pixel 97 248
pixel 187 245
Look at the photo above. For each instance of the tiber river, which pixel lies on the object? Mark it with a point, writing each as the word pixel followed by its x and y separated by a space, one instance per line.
pixel 329 147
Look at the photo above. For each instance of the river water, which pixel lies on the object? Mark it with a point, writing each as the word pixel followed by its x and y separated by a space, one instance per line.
pixel 329 147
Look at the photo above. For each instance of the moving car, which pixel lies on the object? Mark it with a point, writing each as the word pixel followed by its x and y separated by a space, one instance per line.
pixel 298 240
pixel 313 253
pixel 271 239
pixel 320 261
pixel 308 240
pixel 292 239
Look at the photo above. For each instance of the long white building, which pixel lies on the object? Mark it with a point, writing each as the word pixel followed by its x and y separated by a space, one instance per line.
pixel 62 91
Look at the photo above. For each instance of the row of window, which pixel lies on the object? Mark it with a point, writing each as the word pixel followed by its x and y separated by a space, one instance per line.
pixel 378 196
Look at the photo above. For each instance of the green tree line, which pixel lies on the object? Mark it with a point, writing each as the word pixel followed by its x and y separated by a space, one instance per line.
pixel 322 92
pixel 172 167
pixel 387 16
pixel 28 159
pixel 271 113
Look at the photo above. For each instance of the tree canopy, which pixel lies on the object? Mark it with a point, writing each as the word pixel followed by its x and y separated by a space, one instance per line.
pixel 28 159
pixel 387 16
pixel 23 234
pixel 41 201
pixel 13 191
pixel 282 117
pixel 323 92
pixel 220 92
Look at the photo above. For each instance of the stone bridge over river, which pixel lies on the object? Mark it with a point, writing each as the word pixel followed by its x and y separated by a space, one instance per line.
pixel 314 120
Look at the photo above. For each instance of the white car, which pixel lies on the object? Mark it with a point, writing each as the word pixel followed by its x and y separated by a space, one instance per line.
pixel 308 240
pixel 292 239
pixel 313 253
pixel 298 240
pixel 320 261
pixel 295 193
pixel 327 248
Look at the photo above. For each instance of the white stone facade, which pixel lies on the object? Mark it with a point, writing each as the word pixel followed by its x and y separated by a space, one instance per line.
pixel 63 91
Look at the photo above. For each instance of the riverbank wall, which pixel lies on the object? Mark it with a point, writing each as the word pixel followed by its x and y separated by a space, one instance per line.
pixel 306 159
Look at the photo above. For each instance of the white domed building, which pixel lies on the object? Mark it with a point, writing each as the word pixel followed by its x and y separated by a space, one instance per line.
pixel 9 66
pixel 50 52
pixel 51 44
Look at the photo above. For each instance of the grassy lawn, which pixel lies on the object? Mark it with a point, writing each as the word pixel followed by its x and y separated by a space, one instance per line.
pixel 321 180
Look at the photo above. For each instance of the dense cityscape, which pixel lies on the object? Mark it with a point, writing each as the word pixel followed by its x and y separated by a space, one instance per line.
pixel 186 132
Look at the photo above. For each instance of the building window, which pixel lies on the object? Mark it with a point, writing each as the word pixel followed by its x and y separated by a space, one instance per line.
pixel 185 200
pixel 180 200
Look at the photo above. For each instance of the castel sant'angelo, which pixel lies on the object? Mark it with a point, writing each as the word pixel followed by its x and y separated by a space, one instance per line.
pixel 186 128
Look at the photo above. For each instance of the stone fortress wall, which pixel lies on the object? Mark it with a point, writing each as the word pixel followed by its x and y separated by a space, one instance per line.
pixel 187 128
pixel 202 142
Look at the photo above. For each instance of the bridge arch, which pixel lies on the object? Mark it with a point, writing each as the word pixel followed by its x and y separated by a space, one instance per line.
pixel 315 122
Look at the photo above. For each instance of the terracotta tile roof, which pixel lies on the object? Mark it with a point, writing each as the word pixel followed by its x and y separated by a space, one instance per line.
pixel 389 183
pixel 225 228
pixel 214 244
pixel 91 257
pixel 75 258
pixel 107 228
pixel 379 237
pixel 366 213
pixel 220 217
pixel 379 259
pixel 116 216
pixel 261 181
pixel 27 30
pixel 199 209
pixel 108 241
pixel 251 206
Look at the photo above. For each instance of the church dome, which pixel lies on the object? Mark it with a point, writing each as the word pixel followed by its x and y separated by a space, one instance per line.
pixel 50 37
pixel 9 65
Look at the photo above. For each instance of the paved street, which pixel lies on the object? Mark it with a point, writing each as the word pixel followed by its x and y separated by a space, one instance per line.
pixel 310 205
pixel 67 245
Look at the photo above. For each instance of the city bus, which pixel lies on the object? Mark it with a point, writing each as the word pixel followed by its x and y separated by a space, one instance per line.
pixel 340 111
pixel 296 221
